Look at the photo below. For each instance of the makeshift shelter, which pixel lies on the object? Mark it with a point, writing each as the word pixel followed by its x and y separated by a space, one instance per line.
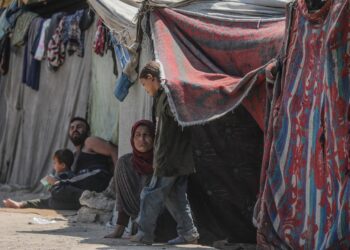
pixel 34 123
pixel 213 56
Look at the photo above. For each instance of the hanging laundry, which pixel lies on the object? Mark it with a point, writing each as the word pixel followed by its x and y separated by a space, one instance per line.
pixel 123 83
pixel 31 66
pixel 87 19
pixel 21 28
pixel 73 37
pixel 5 3
pixel 114 58
pixel 56 50
pixel 40 51
pixel 120 51
pixel 100 38
pixel 8 18
pixel 55 20
pixel 4 54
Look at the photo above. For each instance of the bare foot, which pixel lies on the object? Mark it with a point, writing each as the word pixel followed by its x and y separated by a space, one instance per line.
pixel 12 204
pixel 117 233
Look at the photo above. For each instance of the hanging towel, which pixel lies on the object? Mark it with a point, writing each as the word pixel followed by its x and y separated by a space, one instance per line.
pixel 21 28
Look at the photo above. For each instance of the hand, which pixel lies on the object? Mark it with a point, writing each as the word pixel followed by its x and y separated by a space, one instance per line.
pixel 51 180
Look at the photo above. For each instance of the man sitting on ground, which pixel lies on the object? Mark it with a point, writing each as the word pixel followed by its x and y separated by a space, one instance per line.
pixel 91 166
pixel 92 155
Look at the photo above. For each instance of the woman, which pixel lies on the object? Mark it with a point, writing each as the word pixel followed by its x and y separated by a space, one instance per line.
pixel 133 171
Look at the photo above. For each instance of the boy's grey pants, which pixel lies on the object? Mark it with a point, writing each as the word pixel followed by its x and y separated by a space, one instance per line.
pixel 171 192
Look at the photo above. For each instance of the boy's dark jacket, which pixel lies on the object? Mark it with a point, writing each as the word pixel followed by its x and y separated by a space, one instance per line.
pixel 172 146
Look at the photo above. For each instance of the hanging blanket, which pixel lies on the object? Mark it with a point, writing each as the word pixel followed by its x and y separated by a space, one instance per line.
pixel 211 65
pixel 304 200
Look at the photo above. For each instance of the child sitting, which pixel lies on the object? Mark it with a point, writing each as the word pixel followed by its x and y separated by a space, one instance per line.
pixel 63 160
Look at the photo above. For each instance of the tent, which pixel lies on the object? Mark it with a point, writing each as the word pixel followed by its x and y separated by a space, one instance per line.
pixel 204 48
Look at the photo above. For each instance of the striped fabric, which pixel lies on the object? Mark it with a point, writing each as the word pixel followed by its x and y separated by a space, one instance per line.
pixel 305 190
pixel 211 65
pixel 128 185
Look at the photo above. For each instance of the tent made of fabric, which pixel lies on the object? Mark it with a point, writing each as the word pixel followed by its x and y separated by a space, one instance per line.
pixel 35 123
pixel 263 25
pixel 119 16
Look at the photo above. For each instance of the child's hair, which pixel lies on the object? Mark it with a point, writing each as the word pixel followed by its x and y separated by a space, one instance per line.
pixel 152 68
pixel 64 156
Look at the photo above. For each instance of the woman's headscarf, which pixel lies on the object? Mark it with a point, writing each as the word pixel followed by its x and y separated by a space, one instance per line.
pixel 142 161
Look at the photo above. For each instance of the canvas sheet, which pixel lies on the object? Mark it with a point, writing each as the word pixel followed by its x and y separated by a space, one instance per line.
pixel 119 17
pixel 35 123
pixel 239 9
pixel 103 106
pixel 210 65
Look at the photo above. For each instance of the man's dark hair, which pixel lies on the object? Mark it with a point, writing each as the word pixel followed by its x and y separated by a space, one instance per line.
pixel 152 68
pixel 77 118
pixel 64 156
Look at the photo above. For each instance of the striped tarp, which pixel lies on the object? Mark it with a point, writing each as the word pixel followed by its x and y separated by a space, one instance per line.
pixel 211 65
pixel 305 190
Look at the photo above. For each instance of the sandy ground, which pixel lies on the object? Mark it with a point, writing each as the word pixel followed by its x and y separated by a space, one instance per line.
pixel 22 230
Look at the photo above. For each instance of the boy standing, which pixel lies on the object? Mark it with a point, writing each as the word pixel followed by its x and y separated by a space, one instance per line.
pixel 172 164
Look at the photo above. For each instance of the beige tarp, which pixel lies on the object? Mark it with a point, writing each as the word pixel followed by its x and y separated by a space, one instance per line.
pixel 104 107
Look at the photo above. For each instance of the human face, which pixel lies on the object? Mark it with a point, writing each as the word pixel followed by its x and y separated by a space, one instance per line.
pixel 59 167
pixel 151 84
pixel 143 139
pixel 77 132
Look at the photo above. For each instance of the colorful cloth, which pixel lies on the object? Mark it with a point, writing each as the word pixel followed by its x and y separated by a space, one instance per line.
pixel 55 21
pixel 56 52
pixel 123 82
pixel 210 65
pixel 304 200
pixel 100 38
pixel 73 37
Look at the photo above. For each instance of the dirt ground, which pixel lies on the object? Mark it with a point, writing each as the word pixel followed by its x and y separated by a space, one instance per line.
pixel 49 230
